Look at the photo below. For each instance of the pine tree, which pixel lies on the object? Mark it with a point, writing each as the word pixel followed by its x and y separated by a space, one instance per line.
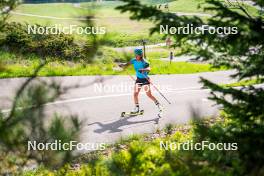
pixel 241 51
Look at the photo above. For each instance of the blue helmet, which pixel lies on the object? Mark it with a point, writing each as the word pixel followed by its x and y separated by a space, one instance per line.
pixel 138 52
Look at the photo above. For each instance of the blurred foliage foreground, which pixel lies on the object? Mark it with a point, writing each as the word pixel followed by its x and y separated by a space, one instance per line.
pixel 243 108
pixel 144 155
pixel 26 121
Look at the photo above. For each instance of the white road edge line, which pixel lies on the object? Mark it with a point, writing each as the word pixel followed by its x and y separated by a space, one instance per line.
pixel 184 90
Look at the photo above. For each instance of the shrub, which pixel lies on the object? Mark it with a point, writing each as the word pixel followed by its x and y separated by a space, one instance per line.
pixel 16 38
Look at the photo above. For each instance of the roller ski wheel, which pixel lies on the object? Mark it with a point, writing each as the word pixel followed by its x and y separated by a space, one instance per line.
pixel 160 114
pixel 161 110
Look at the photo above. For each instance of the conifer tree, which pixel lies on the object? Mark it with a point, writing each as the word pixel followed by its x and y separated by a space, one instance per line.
pixel 241 51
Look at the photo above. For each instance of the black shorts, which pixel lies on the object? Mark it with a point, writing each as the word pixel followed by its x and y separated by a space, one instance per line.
pixel 142 81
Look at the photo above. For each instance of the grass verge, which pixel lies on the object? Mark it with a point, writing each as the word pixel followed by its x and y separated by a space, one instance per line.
pixel 23 66
pixel 249 82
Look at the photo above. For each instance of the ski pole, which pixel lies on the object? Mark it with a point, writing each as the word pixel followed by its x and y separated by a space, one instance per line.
pixel 157 89
pixel 129 74
pixel 151 84
pixel 144 48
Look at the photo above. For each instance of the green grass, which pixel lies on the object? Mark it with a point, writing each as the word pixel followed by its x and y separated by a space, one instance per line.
pixel 62 68
pixel 61 10
pixel 248 82
pixel 164 67
pixel 119 26
pixel 191 6
pixel 24 66
pixel 53 9
pixel 121 30
pixel 196 6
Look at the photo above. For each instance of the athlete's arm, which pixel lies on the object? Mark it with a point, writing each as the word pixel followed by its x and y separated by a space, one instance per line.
pixel 145 69
pixel 124 64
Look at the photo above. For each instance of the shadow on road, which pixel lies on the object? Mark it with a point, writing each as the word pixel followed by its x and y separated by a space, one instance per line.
pixel 113 127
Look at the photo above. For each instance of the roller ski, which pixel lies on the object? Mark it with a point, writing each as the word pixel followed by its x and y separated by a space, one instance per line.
pixel 132 113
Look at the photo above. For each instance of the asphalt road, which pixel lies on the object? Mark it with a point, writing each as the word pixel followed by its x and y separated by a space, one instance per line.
pixel 100 108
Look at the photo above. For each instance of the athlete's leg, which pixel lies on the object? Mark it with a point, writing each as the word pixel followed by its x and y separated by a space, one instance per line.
pixel 137 89
pixel 148 92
